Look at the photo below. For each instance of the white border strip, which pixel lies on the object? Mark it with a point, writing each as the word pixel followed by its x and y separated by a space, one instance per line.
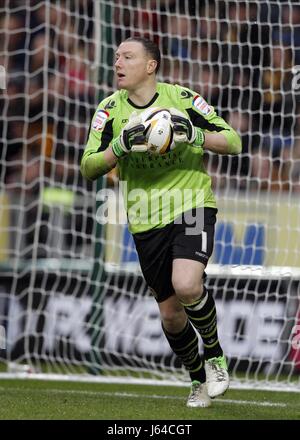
pixel 234 384
pixel 223 271
pixel 215 270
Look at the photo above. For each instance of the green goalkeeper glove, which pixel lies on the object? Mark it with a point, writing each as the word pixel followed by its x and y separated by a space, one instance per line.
pixel 184 130
pixel 132 137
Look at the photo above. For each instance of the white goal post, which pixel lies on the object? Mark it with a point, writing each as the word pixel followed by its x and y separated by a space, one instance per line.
pixel 73 302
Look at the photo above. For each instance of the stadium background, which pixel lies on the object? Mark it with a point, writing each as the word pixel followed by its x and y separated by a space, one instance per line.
pixel 58 58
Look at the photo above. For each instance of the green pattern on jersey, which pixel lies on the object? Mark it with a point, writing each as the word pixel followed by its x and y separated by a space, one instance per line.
pixel 159 188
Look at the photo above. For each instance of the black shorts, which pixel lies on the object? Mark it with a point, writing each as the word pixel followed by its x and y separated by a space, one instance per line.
pixel 159 247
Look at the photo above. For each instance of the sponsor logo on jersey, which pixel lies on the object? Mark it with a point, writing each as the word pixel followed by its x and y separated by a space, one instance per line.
pixel 186 94
pixel 100 119
pixel 201 105
pixel 110 104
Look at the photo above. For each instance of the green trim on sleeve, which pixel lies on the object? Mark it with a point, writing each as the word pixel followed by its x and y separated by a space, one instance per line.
pixel 200 138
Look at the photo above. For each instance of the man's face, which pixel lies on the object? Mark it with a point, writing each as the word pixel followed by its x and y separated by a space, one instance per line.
pixel 132 65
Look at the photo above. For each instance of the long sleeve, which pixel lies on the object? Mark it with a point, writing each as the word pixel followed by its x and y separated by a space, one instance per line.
pixel 93 164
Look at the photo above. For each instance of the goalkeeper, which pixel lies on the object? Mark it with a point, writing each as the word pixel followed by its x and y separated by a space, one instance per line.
pixel 172 261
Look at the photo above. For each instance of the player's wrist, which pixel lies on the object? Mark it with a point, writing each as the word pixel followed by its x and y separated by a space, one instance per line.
pixel 117 148
pixel 199 138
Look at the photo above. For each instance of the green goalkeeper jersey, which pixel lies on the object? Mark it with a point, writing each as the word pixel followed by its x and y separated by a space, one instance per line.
pixel 158 188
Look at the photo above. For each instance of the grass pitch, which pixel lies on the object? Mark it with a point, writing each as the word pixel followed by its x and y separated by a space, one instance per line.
pixel 45 400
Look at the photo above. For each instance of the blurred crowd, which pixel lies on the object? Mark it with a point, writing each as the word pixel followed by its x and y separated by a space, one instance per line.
pixel 241 56
pixel 46 108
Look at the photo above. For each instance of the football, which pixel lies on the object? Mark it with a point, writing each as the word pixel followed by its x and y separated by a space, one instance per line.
pixel 159 130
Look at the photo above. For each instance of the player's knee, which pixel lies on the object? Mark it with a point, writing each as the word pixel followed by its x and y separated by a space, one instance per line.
pixel 173 319
pixel 188 290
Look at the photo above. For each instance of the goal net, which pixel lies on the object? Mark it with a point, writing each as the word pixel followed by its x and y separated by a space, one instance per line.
pixel 73 303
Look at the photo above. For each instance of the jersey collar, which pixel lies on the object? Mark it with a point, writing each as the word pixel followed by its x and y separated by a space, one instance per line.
pixel 144 106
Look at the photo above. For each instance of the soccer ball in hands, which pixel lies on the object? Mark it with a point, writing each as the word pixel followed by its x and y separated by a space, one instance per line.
pixel 158 130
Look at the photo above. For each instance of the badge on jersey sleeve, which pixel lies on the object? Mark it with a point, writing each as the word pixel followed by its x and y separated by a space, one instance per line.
pixel 201 105
pixel 100 119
